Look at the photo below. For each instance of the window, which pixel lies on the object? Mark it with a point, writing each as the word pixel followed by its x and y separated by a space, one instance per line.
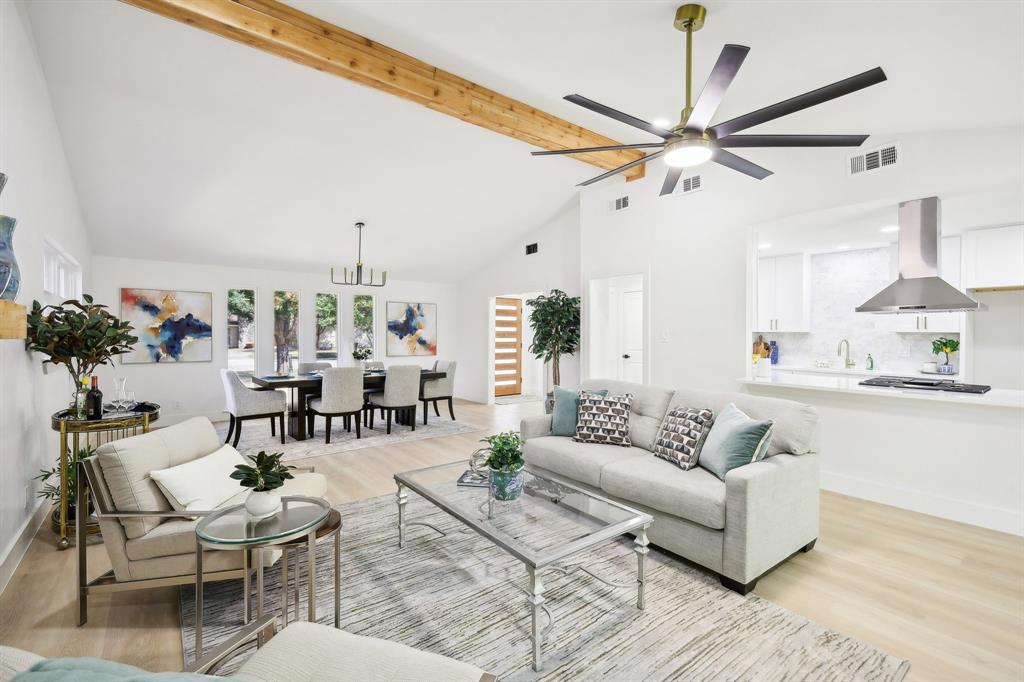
pixel 242 331
pixel 327 328
pixel 62 275
pixel 286 331
pixel 362 321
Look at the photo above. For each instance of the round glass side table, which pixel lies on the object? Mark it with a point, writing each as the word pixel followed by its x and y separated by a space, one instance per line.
pixel 234 528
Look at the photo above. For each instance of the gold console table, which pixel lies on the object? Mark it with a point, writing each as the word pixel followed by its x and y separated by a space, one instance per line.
pixel 92 433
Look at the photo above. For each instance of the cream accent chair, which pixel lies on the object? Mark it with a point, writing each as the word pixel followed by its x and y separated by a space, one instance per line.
pixel 439 389
pixel 149 543
pixel 401 392
pixel 244 404
pixel 341 396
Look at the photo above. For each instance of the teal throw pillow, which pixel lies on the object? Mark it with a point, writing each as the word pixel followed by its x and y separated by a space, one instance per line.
pixel 735 440
pixel 566 412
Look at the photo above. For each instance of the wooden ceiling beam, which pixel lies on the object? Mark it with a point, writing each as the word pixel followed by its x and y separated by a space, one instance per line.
pixel 286 32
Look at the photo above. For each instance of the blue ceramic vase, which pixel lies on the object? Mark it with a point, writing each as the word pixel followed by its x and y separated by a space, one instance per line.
pixel 10 275
pixel 506 485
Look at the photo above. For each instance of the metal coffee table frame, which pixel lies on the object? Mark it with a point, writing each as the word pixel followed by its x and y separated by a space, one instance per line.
pixel 257 545
pixel 535 562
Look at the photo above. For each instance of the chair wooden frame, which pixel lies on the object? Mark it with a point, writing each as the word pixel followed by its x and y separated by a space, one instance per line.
pixel 235 425
pixel 311 421
pixel 406 412
pixel 451 408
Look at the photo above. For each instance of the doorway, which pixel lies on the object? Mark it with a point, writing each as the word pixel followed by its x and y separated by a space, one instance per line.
pixel 616 329
pixel 517 376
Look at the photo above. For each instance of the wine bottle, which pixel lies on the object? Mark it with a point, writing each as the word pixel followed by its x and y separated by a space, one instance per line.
pixel 94 400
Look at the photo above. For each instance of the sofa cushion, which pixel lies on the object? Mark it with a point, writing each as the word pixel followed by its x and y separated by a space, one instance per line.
pixel 202 484
pixel 682 435
pixel 646 412
pixel 566 412
pixel 604 419
pixel 696 495
pixel 576 461
pixel 126 464
pixel 795 423
pixel 178 536
pixel 735 440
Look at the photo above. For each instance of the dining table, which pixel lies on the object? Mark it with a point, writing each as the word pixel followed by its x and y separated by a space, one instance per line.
pixel 310 384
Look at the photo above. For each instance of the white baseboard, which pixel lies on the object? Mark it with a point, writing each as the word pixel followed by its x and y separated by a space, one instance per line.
pixel 964 511
pixel 19 546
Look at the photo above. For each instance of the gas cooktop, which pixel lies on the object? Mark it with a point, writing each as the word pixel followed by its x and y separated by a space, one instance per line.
pixel 925 384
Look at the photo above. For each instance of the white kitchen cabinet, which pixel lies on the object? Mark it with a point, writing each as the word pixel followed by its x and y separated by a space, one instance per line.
pixel 782 294
pixel 994 258
pixel 932 323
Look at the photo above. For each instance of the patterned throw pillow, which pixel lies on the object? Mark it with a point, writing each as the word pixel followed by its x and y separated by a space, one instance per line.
pixel 682 435
pixel 604 419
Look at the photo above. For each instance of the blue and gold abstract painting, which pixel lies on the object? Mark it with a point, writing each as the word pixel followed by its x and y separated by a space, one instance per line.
pixel 412 329
pixel 172 326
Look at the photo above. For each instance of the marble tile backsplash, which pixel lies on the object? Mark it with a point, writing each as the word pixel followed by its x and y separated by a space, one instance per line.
pixel 840 282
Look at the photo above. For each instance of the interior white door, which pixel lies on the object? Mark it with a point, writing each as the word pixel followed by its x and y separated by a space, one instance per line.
pixel 790 294
pixel 631 336
pixel 765 295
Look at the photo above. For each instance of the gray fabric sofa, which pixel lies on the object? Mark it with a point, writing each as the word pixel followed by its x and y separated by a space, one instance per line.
pixel 739 528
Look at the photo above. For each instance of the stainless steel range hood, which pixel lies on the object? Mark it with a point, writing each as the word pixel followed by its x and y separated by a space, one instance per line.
pixel 919 289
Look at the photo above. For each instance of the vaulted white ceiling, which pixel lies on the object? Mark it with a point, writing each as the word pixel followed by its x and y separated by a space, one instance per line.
pixel 185 146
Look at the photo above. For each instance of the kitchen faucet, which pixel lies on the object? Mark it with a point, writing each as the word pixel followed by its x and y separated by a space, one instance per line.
pixel 849 363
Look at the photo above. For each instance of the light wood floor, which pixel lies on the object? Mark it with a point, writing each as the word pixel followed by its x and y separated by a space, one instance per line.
pixel 947 596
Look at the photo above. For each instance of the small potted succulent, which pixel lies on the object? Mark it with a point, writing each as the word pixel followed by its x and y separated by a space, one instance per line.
pixel 504 458
pixel 947 347
pixel 265 476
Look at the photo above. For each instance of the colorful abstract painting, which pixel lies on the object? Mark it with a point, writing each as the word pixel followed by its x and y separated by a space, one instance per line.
pixel 172 326
pixel 412 329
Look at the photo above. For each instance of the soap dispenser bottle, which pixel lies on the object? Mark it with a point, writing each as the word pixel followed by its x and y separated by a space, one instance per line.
pixel 870 364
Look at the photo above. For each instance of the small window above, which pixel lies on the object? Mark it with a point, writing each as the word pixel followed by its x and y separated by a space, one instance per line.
pixel 62 275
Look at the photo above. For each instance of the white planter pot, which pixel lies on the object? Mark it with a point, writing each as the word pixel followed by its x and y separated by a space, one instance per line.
pixel 260 505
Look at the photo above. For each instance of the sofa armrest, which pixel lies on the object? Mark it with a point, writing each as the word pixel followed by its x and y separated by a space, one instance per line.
pixel 535 427
pixel 771 511
pixel 14 661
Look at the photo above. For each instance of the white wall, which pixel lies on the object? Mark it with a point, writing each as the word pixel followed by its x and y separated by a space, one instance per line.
pixel 696 248
pixel 41 196
pixel 554 266
pixel 193 388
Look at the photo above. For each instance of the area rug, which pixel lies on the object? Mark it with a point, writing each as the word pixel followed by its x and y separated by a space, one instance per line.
pixel 256 436
pixel 457 595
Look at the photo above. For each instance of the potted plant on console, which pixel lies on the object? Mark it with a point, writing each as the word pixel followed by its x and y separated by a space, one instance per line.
pixel 556 331
pixel 504 453
pixel 947 347
pixel 265 476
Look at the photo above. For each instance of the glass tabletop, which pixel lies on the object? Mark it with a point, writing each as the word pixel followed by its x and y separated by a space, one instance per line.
pixel 549 520
pixel 235 526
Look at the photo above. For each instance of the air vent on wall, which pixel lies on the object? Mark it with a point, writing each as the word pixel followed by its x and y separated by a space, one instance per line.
pixel 619 204
pixel 689 185
pixel 882 157
pixel 531 249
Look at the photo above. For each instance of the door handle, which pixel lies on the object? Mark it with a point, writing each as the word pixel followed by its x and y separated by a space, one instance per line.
pixel 625 356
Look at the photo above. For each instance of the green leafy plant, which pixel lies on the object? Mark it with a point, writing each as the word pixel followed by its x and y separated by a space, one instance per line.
pixel 268 472
pixel 556 328
pixel 362 353
pixel 504 451
pixel 945 346
pixel 51 491
pixel 81 335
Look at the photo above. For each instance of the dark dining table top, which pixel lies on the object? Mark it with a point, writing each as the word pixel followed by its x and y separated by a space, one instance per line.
pixel 313 380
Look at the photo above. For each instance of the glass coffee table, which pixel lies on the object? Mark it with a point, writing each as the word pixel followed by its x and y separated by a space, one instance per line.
pixel 550 522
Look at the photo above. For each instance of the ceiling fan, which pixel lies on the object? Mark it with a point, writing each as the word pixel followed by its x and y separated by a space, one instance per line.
pixel 695 141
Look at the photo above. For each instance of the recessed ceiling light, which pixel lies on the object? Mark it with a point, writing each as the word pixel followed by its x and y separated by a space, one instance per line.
pixel 762 247
pixel 662 123
pixel 843 247
pixel 889 229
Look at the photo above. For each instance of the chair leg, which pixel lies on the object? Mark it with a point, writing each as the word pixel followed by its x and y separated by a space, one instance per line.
pixel 436 411
pixel 310 424
pixel 451 410
pixel 231 428
pixel 424 412
pixel 411 412
pixel 238 432
pixel 348 423
pixel 282 426
pixel 273 425
pixel 389 420
pixel 358 432
pixel 327 418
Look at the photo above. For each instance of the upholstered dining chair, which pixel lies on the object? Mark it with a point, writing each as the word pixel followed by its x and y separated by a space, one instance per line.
pixel 401 392
pixel 375 365
pixel 439 389
pixel 244 404
pixel 340 396
pixel 307 367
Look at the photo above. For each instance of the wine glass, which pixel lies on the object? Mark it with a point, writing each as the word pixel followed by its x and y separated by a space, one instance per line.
pixel 129 401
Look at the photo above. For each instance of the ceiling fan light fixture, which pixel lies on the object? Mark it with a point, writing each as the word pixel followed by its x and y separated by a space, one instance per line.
pixel 689 152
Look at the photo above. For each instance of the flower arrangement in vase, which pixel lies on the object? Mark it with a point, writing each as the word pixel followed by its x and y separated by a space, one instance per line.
pixel 266 474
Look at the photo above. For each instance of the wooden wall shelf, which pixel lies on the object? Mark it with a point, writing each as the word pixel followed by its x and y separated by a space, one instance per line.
pixel 13 320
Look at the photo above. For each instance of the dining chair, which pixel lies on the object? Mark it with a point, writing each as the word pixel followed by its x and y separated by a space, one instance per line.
pixel 401 392
pixel 307 367
pixel 373 365
pixel 340 396
pixel 245 404
pixel 439 389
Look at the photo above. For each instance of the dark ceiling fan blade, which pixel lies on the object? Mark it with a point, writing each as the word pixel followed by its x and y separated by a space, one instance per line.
pixel 738 163
pixel 609 148
pixel 794 104
pixel 671 180
pixel 619 116
pixel 736 141
pixel 623 167
pixel 729 62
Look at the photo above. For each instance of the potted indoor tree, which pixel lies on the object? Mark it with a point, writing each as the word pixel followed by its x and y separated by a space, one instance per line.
pixel 81 335
pixel 556 331
pixel 266 474
pixel 947 347
pixel 504 458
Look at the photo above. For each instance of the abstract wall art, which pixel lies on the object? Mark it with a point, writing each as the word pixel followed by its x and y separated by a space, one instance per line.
pixel 412 329
pixel 172 326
